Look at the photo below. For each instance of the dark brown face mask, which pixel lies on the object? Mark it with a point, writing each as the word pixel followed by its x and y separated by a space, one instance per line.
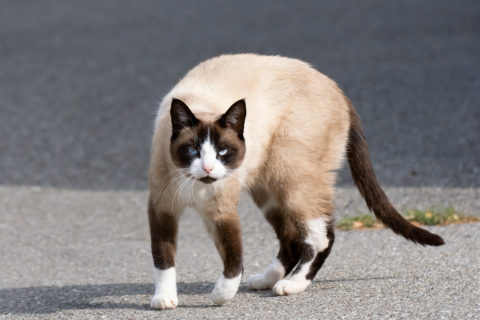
pixel 225 135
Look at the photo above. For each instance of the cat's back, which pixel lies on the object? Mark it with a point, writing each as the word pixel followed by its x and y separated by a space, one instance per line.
pixel 232 68
pixel 216 83
pixel 270 84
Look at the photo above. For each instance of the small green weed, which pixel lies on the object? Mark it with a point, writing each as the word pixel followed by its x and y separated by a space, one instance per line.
pixel 420 217
pixel 358 222
pixel 437 216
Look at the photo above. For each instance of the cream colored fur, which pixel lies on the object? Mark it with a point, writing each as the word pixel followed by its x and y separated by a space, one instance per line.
pixel 297 124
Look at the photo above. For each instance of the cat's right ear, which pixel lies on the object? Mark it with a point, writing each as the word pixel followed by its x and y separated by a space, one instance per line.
pixel 182 117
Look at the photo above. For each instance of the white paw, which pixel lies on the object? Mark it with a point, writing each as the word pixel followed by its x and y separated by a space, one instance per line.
pixel 268 278
pixel 165 289
pixel 225 289
pixel 261 282
pixel 164 302
pixel 290 286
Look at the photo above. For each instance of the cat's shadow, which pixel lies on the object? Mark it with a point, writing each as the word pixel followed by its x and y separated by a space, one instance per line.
pixel 50 299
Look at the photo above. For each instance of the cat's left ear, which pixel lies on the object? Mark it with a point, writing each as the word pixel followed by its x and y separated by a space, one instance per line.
pixel 234 118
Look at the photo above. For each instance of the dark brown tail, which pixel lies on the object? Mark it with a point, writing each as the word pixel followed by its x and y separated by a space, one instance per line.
pixel 366 182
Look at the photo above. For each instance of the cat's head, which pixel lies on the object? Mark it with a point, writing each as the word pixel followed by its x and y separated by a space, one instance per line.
pixel 209 150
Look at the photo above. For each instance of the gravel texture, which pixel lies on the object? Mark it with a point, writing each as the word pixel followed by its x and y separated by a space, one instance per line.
pixel 82 255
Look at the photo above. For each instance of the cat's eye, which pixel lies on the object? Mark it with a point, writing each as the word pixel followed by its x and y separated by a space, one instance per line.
pixel 223 152
pixel 192 151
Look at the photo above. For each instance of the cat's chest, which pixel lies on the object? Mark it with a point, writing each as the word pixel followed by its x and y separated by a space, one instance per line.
pixel 202 194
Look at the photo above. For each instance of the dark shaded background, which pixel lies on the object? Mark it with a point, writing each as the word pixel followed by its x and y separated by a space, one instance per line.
pixel 79 80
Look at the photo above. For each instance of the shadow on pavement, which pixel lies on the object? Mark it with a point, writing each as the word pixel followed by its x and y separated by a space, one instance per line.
pixel 50 299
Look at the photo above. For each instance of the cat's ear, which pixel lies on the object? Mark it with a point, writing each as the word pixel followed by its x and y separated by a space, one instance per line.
pixel 234 118
pixel 181 116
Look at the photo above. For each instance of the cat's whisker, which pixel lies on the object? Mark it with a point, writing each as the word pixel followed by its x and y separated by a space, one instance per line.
pixel 172 181
pixel 176 171
pixel 190 183
pixel 179 188
pixel 191 191
pixel 185 187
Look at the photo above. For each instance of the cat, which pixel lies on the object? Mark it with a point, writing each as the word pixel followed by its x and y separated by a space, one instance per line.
pixel 273 125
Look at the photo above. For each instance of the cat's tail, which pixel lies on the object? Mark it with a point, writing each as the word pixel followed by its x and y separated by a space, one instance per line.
pixel 366 182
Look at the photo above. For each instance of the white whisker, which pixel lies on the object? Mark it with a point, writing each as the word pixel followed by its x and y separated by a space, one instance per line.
pixel 191 191
pixel 179 174
pixel 179 188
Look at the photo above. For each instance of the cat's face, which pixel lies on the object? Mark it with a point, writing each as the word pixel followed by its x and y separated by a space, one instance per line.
pixel 208 150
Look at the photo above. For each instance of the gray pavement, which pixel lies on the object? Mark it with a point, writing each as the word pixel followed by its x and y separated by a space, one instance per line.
pixel 79 83
pixel 85 255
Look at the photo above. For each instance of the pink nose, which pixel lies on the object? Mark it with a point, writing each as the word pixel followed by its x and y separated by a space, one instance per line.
pixel 207 169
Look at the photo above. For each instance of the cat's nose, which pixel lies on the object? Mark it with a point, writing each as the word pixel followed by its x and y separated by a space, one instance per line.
pixel 207 169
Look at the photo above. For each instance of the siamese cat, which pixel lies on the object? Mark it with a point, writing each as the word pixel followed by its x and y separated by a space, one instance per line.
pixel 281 129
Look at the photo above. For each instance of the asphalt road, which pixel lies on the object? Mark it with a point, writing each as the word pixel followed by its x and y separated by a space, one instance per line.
pixel 85 255
pixel 80 80
pixel 79 83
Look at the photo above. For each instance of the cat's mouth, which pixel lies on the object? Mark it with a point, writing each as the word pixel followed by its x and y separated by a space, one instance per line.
pixel 207 179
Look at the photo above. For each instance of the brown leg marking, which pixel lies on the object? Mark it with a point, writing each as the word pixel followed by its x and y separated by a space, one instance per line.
pixel 290 237
pixel 163 234
pixel 228 240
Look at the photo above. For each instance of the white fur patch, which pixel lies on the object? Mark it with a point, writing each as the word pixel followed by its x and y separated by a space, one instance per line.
pixel 317 235
pixel 208 160
pixel 208 154
pixel 286 286
pixel 293 283
pixel 268 278
pixel 165 289
pixel 225 289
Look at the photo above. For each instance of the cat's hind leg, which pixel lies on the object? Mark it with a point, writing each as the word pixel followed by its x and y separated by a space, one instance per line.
pixel 286 258
pixel 313 247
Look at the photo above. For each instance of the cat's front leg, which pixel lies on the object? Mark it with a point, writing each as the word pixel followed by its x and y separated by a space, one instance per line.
pixel 163 232
pixel 227 236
